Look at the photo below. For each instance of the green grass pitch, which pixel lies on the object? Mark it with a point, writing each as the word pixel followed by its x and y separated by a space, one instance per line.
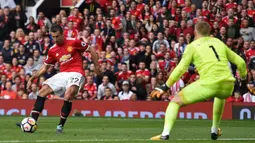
pixel 113 130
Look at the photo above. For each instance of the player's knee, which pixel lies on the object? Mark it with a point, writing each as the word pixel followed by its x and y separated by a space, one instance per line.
pixel 45 91
pixel 177 99
pixel 71 92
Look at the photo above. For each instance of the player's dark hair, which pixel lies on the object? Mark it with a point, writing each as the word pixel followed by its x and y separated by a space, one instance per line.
pixel 55 28
pixel 203 28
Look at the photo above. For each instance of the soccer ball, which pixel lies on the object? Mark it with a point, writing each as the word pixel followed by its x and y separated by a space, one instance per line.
pixel 28 125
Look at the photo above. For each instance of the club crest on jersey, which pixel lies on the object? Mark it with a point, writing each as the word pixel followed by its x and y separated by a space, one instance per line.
pixel 65 57
pixel 69 49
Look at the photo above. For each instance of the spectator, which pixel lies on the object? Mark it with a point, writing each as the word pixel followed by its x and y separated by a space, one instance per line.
pixel 39 36
pixel 105 72
pixel 30 66
pixel 13 39
pixel 236 98
pixel 179 47
pixel 32 44
pixel 248 33
pixel 9 19
pixel 153 84
pixel 20 35
pixel 108 31
pixel 126 93
pixel 108 95
pixel 4 31
pixel 43 21
pixel 38 59
pixel 101 87
pixel 143 74
pixel 17 84
pixel 137 88
pixel 20 17
pixel 34 92
pixel 46 45
pixel 8 93
pixel 7 52
pixel 70 32
pixel 31 26
pixel 21 55
pixel 91 89
pixel 75 18
pixel 232 29
pixel 156 44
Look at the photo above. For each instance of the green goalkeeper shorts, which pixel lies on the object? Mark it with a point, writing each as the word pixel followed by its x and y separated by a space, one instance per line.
pixel 197 92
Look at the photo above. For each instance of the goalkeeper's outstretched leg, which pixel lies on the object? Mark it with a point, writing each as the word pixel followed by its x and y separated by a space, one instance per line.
pixel 170 117
pixel 193 93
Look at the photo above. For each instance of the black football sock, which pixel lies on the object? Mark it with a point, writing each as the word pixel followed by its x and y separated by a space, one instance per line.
pixel 38 107
pixel 66 109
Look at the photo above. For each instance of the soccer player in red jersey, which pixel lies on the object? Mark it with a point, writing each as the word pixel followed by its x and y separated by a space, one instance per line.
pixel 67 53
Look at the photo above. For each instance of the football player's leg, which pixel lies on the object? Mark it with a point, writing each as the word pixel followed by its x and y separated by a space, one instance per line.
pixel 74 83
pixel 67 106
pixel 39 103
pixel 218 108
pixel 224 91
pixel 190 94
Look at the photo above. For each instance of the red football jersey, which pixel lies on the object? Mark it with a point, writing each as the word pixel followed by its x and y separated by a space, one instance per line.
pixel 116 21
pixel 144 72
pixel 187 9
pixel 92 89
pixel 250 54
pixel 70 33
pixel 68 55
pixel 226 18
pixel 205 12
pixel 76 21
pixel 133 51
pixel 231 5
pixel 124 75
pixel 16 68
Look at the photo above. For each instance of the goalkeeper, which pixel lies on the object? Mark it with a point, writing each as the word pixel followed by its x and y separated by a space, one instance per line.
pixel 211 57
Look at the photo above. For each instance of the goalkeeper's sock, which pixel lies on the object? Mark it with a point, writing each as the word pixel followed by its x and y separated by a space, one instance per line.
pixel 170 117
pixel 38 107
pixel 218 107
pixel 66 109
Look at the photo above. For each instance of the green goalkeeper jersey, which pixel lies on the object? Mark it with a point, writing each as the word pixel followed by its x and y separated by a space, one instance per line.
pixel 211 58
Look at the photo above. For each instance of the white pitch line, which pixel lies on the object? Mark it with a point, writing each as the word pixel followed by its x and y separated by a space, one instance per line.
pixel 118 140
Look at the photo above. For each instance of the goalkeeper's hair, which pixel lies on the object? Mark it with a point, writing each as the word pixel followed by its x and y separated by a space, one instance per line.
pixel 203 28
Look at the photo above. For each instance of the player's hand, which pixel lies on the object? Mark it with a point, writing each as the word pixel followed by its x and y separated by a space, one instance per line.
pixel 159 91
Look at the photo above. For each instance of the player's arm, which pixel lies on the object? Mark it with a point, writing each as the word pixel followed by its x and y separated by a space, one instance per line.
pixel 180 69
pixel 238 61
pixel 40 72
pixel 95 58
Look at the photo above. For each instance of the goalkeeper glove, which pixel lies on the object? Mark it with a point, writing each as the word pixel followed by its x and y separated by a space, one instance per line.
pixel 159 91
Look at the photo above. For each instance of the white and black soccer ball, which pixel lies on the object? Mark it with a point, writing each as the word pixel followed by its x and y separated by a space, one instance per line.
pixel 28 125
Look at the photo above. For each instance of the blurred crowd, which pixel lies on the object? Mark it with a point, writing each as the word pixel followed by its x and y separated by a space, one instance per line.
pixel 139 43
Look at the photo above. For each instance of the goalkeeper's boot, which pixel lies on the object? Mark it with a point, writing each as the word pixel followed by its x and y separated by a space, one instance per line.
pixel 59 129
pixel 18 124
pixel 214 136
pixel 160 137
